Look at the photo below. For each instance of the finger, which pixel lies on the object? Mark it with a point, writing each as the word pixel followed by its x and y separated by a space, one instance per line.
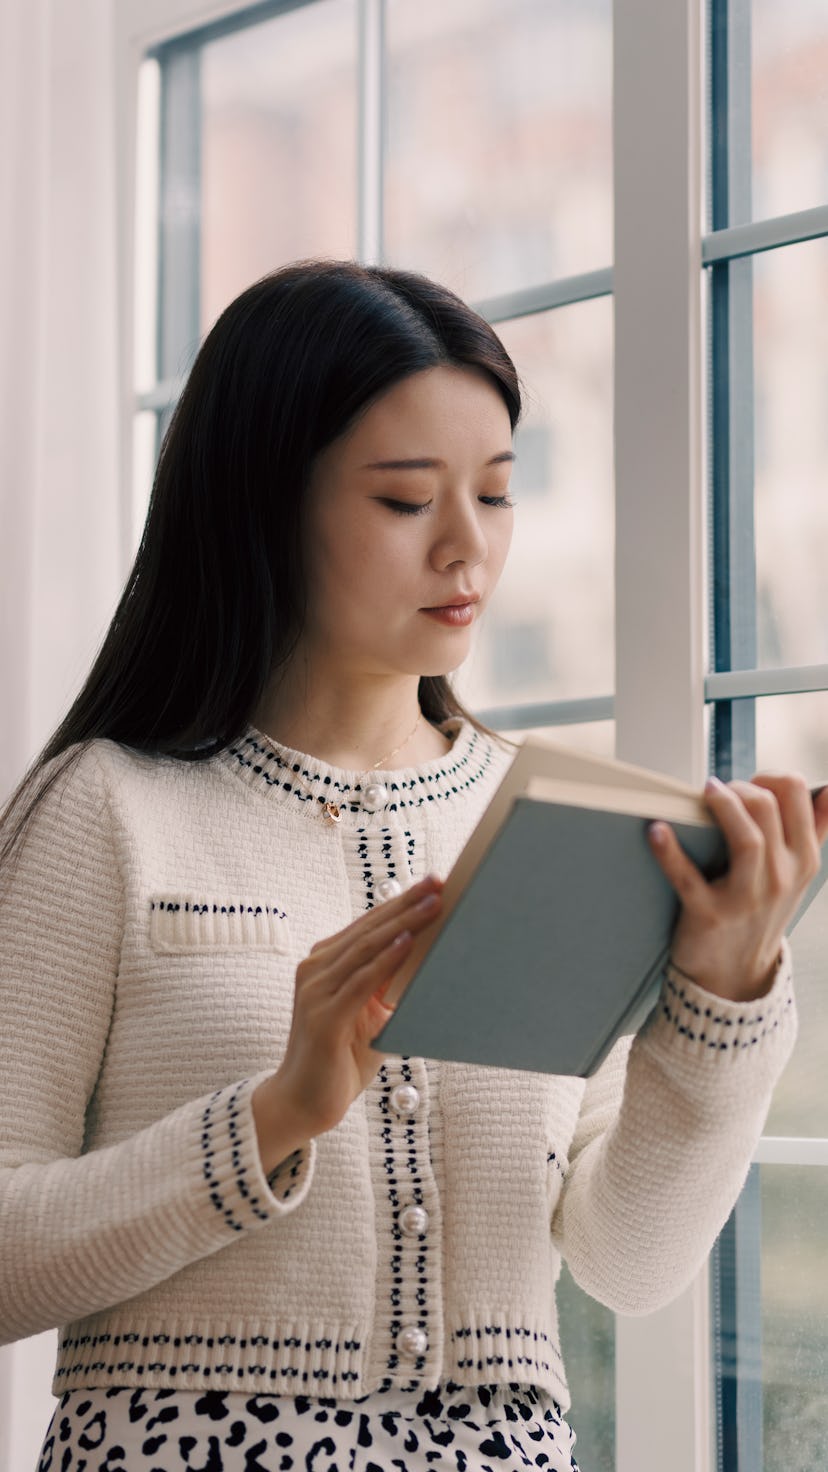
pixel 366 945
pixel 373 978
pixel 745 838
pixel 335 945
pixel 687 880
pixel 796 809
pixel 763 806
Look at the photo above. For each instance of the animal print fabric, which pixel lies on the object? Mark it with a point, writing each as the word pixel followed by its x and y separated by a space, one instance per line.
pixel 453 1429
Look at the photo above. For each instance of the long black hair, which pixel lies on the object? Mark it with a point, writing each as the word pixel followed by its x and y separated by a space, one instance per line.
pixel 215 600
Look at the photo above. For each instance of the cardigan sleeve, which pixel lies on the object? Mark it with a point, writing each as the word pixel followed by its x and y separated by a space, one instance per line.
pixel 665 1136
pixel 80 1232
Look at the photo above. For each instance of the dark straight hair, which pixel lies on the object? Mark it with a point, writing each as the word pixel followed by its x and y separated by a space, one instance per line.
pixel 215 600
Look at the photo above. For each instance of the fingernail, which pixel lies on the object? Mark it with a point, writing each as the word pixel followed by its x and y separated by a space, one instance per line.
pixel 430 902
pixel 657 832
pixel 713 784
pixel 402 939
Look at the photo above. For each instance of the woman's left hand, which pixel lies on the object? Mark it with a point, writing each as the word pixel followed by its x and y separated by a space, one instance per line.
pixel 729 931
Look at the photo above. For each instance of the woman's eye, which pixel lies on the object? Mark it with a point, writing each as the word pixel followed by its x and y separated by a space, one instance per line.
pixel 407 508
pixel 500 501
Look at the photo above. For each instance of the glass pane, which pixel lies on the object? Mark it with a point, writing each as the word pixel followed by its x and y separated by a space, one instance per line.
pixel 791 439
pixel 800 1102
pixel 790 105
pixel 279 127
pixel 792 733
pixel 794 1315
pixel 498 150
pixel 548 632
pixel 588 1344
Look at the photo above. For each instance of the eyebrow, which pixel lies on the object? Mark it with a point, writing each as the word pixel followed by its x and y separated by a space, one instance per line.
pixel 431 464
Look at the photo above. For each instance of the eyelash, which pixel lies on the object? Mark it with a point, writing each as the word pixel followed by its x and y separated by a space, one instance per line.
pixel 410 508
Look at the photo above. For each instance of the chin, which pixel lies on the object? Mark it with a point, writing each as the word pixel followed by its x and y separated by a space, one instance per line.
pixel 434 671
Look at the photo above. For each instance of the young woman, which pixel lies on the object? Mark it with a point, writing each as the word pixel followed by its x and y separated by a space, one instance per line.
pixel 263 1244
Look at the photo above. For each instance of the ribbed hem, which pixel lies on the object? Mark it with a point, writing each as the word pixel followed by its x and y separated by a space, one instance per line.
pixel 486 1348
pixel 120 1348
pixel 312 1358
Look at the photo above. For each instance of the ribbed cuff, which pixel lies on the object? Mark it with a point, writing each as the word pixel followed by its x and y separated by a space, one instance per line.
pixel 693 1024
pixel 234 1178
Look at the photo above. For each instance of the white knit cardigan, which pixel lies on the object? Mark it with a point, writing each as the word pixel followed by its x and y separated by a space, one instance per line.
pixel 149 935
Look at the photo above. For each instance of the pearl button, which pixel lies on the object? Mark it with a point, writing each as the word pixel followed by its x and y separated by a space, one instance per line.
pixel 412 1342
pixel 374 797
pixel 414 1221
pixel 388 888
pixel 405 1098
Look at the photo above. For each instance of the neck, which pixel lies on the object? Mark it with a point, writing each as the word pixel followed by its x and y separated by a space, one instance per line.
pixel 349 721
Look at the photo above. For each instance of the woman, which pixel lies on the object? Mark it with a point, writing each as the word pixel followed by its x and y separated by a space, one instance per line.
pixel 264 1245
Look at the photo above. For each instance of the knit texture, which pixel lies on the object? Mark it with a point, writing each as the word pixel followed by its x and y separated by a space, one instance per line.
pixel 149 936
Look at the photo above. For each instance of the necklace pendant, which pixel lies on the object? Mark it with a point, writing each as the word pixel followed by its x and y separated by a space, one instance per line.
pixel 332 813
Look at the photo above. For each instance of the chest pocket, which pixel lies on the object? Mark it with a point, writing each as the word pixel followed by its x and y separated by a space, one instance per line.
pixel 183 924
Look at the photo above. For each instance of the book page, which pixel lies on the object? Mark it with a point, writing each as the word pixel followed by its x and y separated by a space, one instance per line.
pixel 674 808
pixel 554 759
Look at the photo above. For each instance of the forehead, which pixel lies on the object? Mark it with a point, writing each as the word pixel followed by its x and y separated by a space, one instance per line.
pixel 442 411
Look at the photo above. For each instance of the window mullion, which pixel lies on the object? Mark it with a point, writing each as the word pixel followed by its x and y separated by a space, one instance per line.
pixel 737 1331
pixel 659 472
pixel 371 141
pixel 733 581
pixel 662 1361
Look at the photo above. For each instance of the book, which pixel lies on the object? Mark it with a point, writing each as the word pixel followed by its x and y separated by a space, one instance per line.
pixel 556 918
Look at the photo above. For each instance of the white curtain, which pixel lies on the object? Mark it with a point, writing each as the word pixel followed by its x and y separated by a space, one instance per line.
pixel 59 494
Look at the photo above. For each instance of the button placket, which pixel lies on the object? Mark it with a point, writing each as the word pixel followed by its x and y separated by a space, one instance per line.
pixel 391 866
pixel 408 1231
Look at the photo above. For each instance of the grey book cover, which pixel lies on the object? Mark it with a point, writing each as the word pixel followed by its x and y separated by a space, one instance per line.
pixel 555 947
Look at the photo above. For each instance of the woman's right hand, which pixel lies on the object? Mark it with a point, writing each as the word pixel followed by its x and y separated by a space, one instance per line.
pixel 338 1010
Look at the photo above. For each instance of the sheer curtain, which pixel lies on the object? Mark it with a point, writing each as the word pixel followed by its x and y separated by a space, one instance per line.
pixel 59 501
pixel 59 495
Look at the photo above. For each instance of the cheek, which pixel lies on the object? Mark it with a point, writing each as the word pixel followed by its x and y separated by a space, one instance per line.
pixel 500 540
pixel 368 567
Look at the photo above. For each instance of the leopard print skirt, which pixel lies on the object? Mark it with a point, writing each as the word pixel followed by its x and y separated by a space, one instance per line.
pixel 453 1429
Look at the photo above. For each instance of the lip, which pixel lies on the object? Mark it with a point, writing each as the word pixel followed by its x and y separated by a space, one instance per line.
pixel 457 614
pixel 461 601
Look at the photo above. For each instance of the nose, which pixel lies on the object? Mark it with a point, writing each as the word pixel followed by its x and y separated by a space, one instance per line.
pixel 460 536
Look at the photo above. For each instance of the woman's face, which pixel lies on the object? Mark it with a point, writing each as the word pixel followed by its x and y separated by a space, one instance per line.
pixel 408 516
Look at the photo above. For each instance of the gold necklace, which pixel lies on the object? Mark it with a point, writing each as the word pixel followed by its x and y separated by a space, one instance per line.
pixel 330 810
